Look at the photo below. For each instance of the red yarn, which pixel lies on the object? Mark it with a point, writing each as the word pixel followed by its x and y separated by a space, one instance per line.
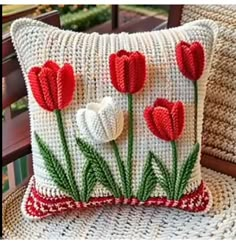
pixel 190 59
pixel 41 206
pixel 52 86
pixel 166 119
pixel 127 71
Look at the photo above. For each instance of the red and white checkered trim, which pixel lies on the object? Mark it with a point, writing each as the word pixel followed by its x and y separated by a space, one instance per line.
pixel 35 205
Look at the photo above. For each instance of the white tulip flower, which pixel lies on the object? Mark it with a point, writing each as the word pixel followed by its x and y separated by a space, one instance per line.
pixel 100 122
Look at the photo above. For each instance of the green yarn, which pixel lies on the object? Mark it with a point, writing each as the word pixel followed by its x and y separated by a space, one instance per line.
pixel 164 179
pixel 130 146
pixel 173 184
pixel 100 167
pixel 70 174
pixel 53 166
pixel 88 182
pixel 174 167
pixel 186 171
pixel 96 168
pixel 195 108
pixel 148 181
pixel 120 166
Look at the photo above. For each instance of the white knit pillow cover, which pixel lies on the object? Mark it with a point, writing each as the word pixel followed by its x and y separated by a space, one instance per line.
pixel 115 118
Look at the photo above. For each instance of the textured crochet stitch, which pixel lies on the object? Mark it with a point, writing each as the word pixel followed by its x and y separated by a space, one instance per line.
pixel 219 124
pixel 100 150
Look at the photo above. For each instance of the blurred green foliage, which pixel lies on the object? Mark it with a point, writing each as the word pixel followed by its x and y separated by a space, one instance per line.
pixel 86 18
pixel 146 9
pixel 5 181
pixel 19 106
pixel 61 8
pixel 81 17
pixel 20 169
pixel 14 8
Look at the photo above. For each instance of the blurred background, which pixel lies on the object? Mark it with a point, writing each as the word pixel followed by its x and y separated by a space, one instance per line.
pixel 84 17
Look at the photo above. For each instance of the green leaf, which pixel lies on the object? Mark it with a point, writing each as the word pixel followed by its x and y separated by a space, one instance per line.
pixel 69 165
pixel 89 181
pixel 53 166
pixel 121 167
pixel 100 167
pixel 186 171
pixel 148 181
pixel 165 179
pixel 162 183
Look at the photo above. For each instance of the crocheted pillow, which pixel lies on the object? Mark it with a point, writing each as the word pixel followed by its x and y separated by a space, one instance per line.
pixel 115 119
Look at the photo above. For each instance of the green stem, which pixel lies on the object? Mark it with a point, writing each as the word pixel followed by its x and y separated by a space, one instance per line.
pixel 130 145
pixel 196 107
pixel 174 167
pixel 120 166
pixel 70 174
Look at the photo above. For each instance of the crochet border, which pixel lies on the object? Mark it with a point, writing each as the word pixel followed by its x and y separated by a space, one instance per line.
pixel 36 206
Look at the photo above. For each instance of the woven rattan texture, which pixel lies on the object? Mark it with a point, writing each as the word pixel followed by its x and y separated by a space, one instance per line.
pixel 119 222
pixel 219 129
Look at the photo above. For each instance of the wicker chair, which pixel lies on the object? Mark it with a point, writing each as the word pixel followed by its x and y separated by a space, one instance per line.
pixel 121 222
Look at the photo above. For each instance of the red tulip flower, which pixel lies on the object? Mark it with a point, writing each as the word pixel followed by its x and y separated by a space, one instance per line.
pixel 52 86
pixel 190 59
pixel 166 119
pixel 53 89
pixel 128 74
pixel 128 71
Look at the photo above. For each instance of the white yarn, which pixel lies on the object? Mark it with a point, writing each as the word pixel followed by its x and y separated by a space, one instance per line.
pixel 36 42
pixel 100 122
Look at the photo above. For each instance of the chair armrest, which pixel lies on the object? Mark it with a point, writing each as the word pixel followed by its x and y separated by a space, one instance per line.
pixel 219 165
pixel 16 138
